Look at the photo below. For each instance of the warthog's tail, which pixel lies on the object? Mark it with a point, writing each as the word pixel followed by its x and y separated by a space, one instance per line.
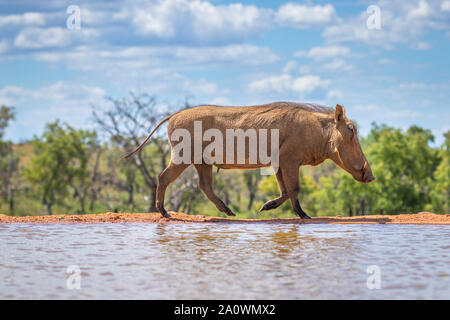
pixel 128 155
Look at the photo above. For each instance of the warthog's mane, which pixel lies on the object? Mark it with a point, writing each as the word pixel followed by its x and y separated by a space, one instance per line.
pixel 315 108
pixel 311 107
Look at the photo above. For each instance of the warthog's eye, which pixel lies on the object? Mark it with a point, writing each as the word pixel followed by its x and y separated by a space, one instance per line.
pixel 352 129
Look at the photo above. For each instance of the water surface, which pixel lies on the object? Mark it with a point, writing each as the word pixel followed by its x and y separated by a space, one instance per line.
pixel 225 261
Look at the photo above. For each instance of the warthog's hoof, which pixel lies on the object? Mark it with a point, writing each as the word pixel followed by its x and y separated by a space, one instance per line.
pixel 302 215
pixel 268 206
pixel 230 213
pixel 165 215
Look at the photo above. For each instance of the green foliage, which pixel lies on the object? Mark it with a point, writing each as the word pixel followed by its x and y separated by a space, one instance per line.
pixel 8 160
pixel 60 162
pixel 440 190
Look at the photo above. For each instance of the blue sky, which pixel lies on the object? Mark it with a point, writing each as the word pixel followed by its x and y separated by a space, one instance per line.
pixel 227 53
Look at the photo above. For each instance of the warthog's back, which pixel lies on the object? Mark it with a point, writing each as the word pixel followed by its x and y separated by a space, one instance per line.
pixel 276 114
pixel 294 125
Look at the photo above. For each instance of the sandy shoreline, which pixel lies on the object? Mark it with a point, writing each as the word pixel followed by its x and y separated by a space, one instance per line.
pixel 419 218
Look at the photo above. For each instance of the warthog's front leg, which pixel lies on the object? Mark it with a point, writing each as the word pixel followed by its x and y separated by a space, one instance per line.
pixel 165 178
pixel 205 182
pixel 275 203
pixel 291 181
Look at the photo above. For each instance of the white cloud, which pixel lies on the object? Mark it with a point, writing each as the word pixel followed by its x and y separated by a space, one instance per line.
pixel 67 95
pixel 179 22
pixel 286 83
pixel 275 83
pixel 394 114
pixel 4 46
pixel 368 107
pixel 200 20
pixel 138 58
pixel 335 94
pixel 305 69
pixel 439 134
pixel 309 83
pixel 421 45
pixel 240 54
pixel 28 18
pixel 55 92
pixel 39 38
pixel 220 101
pixel 301 16
pixel 385 61
pixel 68 101
pixel 422 11
pixel 385 114
pixel 413 85
pixel 319 53
pixel 445 5
pixel 10 94
pixel 290 67
pixel 338 65
pixel 91 17
pixel 36 38
pixel 401 22
pixel 200 87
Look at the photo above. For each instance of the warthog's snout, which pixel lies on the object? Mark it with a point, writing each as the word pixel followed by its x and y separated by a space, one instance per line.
pixel 367 176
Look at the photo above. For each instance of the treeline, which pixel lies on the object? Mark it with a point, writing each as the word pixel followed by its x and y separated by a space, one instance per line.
pixel 68 170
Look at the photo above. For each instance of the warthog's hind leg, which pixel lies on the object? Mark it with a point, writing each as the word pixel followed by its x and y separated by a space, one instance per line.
pixel 275 203
pixel 165 178
pixel 205 182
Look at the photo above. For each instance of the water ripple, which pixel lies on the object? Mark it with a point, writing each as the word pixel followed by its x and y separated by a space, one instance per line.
pixel 224 261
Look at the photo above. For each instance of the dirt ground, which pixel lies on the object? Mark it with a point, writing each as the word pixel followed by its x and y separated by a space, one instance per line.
pixel 419 218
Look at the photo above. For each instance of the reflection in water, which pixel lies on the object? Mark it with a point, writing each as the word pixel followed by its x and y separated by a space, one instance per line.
pixel 224 261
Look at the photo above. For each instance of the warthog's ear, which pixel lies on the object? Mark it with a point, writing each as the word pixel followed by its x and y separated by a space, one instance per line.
pixel 340 112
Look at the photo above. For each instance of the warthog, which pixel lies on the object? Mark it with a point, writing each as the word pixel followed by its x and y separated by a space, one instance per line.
pixel 308 134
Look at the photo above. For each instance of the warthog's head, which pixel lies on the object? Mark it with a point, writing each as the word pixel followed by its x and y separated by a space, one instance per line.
pixel 346 151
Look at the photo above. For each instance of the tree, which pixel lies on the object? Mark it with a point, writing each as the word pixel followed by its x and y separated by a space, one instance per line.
pixel 95 184
pixel 60 164
pixel 8 159
pixel 6 114
pixel 440 191
pixel 251 181
pixel 183 195
pixel 127 122
pixel 404 165
pixel 85 172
